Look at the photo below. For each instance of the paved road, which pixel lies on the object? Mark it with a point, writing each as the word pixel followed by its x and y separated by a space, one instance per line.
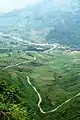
pixel 10 66
pixel 39 96
pixel 28 42
pixel 40 99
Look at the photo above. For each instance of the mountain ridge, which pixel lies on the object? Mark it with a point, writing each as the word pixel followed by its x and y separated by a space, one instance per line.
pixel 45 21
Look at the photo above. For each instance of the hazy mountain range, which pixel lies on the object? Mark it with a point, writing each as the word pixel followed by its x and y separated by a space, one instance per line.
pixel 46 21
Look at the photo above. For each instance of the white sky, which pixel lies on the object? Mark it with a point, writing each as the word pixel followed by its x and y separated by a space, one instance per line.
pixel 6 5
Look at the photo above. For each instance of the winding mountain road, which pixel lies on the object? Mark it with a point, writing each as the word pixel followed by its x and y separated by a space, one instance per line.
pixel 40 99
pixel 21 40
pixel 52 46
pixel 38 94
pixel 10 66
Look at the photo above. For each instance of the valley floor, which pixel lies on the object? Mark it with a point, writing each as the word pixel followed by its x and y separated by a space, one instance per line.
pixel 50 81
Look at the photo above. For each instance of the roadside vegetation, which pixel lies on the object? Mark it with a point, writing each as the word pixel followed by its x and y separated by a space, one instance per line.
pixel 55 75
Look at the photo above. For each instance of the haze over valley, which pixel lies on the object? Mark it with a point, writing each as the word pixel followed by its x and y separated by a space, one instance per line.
pixel 40 60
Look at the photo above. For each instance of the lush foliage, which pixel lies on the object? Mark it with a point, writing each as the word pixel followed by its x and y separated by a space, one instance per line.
pixel 11 105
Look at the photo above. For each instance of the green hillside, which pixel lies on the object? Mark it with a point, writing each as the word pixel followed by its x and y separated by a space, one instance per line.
pixel 40 62
pixel 56 77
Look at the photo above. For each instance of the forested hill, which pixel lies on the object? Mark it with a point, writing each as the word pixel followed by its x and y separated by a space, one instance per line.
pixel 47 21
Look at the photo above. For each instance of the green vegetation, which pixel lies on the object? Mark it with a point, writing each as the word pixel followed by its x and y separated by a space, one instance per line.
pixel 58 76
pixel 11 104
pixel 26 35
pixel 17 98
pixel 55 75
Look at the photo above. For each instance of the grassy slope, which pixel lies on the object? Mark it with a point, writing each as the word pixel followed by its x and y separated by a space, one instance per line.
pixel 55 75
pixel 58 76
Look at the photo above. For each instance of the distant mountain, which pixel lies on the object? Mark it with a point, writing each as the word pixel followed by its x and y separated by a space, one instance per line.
pixel 47 21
